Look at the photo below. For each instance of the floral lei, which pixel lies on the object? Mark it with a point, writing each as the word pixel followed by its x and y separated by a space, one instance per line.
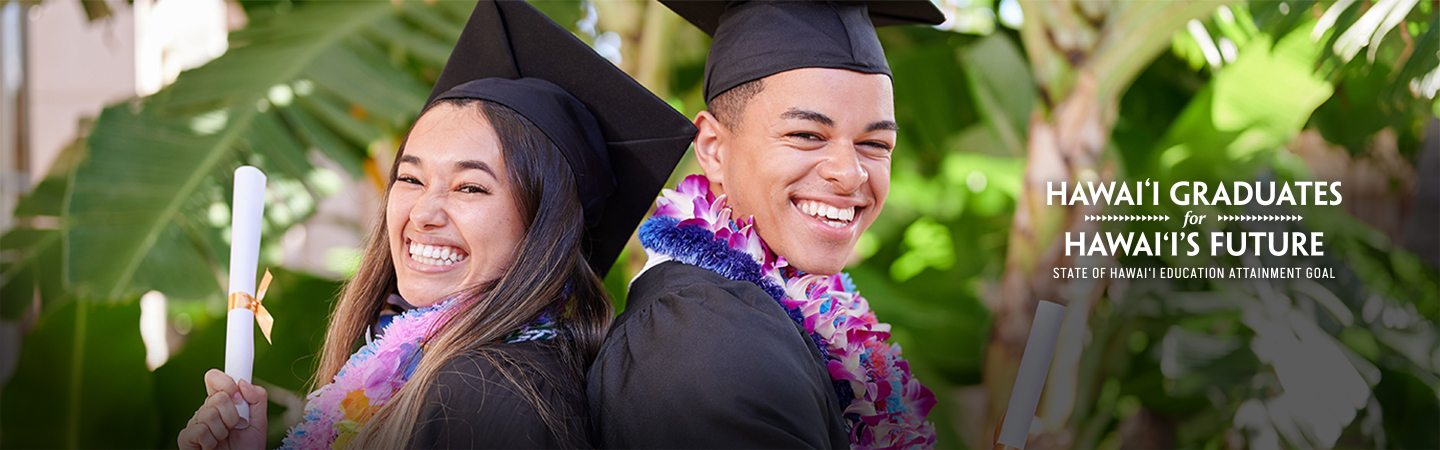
pixel 886 405
pixel 334 412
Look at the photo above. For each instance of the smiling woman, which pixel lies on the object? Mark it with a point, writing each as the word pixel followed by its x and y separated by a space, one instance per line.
pixel 481 195
pixel 477 304
pixel 453 221
pixel 481 239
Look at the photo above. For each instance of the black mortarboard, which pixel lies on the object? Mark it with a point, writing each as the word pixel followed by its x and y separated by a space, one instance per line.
pixel 756 39
pixel 621 141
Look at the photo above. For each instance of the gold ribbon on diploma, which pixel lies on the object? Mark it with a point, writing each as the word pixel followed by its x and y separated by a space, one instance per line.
pixel 262 316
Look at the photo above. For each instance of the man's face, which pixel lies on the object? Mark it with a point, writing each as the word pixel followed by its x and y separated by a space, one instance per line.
pixel 810 160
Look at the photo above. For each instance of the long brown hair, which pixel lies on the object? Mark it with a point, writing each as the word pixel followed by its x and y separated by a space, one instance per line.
pixel 549 272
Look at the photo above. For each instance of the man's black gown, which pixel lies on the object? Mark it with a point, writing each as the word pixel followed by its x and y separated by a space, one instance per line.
pixel 700 361
pixel 472 405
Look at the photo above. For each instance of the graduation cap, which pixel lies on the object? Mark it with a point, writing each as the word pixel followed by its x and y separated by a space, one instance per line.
pixel 756 39
pixel 620 140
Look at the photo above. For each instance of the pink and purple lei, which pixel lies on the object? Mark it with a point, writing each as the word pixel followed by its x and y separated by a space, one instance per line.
pixel 334 412
pixel 886 405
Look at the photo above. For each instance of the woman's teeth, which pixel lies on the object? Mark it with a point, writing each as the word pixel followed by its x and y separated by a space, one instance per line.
pixel 436 255
pixel 830 215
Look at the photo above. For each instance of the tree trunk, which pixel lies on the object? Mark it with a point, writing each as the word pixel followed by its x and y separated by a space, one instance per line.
pixel 1066 148
pixel 1083 56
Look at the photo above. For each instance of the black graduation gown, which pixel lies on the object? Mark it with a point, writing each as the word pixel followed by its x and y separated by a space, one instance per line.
pixel 700 361
pixel 471 405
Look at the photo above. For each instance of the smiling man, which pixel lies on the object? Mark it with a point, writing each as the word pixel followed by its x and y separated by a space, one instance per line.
pixel 740 332
pixel 808 155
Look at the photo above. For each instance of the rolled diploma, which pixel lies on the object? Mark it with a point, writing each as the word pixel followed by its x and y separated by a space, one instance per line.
pixel 249 209
pixel 1034 365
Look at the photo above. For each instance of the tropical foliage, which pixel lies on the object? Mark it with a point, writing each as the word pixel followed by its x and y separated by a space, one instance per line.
pixel 1169 91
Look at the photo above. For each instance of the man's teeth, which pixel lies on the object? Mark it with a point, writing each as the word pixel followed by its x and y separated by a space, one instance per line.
pixel 836 217
pixel 436 255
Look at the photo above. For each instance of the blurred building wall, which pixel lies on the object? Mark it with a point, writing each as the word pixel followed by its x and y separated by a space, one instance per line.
pixel 73 67
pixel 58 68
pixel 76 66
pixel 14 176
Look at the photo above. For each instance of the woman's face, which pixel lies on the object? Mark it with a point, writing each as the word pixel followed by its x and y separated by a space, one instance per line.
pixel 451 219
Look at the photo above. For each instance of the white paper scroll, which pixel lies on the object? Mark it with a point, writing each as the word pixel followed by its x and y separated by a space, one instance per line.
pixel 245 219
pixel 1034 365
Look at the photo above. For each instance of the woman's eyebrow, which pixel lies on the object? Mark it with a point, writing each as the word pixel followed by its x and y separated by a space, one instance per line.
pixel 467 164
pixel 471 164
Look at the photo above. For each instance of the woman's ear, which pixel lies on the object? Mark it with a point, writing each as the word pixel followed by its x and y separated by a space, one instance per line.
pixel 710 146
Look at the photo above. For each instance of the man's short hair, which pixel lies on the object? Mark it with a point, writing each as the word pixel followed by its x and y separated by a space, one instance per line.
pixel 729 106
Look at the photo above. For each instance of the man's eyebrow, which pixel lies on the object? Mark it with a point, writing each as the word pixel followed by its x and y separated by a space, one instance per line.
pixel 795 113
pixel 883 125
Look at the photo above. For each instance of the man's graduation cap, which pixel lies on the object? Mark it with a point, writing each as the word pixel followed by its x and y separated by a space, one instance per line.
pixel 756 39
pixel 620 140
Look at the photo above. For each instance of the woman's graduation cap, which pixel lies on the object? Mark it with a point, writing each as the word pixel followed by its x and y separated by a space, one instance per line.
pixel 756 39
pixel 620 140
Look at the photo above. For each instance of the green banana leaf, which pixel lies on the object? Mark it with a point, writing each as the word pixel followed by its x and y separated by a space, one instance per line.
pixel 136 210
pixel 81 382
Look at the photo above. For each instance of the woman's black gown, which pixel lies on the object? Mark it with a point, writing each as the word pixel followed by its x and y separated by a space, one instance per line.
pixel 471 404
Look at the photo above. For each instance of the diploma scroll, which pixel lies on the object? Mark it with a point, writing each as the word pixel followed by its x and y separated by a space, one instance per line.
pixel 245 220
pixel 1030 381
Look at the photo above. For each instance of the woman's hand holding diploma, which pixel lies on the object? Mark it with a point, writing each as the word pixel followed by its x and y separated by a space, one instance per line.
pixel 213 426
pixel 233 416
